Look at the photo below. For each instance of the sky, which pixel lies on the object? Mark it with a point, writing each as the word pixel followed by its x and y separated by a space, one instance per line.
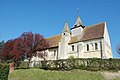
pixel 47 17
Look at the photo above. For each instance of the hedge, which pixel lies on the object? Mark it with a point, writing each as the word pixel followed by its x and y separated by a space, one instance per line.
pixel 92 64
pixel 4 71
pixel 21 65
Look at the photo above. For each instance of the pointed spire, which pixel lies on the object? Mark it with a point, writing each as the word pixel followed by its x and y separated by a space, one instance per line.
pixel 66 27
pixel 78 22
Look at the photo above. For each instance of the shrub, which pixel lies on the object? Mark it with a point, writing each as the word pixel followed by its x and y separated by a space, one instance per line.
pixel 16 64
pixel 60 64
pixel 105 64
pixel 70 63
pixel 83 67
pixel 38 64
pixel 112 64
pixel 44 65
pixel 80 64
pixel 4 71
pixel 23 65
pixel 93 64
pixel 51 65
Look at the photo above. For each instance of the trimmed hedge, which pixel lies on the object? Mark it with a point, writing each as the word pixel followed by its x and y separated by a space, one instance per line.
pixel 21 65
pixel 92 64
pixel 4 71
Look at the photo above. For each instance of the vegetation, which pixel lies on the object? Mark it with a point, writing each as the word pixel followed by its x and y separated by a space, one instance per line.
pixel 1 45
pixel 92 64
pixel 23 65
pixel 39 74
pixel 24 47
pixel 4 71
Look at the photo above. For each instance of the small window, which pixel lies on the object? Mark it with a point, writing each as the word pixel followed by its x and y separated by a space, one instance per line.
pixel 96 46
pixel 72 47
pixel 54 53
pixel 87 47
pixel 77 48
pixel 64 34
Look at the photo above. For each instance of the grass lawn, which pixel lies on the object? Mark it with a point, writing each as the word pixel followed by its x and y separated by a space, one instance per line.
pixel 39 74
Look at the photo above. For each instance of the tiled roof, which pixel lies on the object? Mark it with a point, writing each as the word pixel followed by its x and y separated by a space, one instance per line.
pixel 90 32
pixel 54 40
pixel 75 39
pixel 94 31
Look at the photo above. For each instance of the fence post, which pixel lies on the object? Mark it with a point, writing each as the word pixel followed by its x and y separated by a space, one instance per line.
pixel 11 67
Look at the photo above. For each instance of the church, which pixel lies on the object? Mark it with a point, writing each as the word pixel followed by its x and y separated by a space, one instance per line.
pixel 80 42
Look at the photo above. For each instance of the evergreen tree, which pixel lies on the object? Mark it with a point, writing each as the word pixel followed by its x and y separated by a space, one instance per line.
pixel 1 46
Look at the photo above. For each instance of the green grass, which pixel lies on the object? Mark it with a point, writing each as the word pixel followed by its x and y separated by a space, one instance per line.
pixel 39 74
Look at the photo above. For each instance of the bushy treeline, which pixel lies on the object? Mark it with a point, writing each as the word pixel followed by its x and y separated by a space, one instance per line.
pixel 4 71
pixel 93 64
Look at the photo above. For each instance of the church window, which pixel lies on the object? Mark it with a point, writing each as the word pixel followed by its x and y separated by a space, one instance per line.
pixel 77 48
pixel 54 53
pixel 96 46
pixel 87 47
pixel 72 47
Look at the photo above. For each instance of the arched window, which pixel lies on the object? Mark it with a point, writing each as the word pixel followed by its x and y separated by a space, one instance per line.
pixel 87 47
pixel 72 47
pixel 96 46
pixel 54 52
pixel 77 48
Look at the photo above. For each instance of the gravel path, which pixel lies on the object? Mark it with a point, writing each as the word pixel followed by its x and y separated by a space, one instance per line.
pixel 111 75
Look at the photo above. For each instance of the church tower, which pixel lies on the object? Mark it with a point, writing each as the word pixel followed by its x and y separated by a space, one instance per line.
pixel 78 27
pixel 63 44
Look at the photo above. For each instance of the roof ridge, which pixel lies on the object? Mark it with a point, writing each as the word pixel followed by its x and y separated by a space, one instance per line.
pixel 96 24
pixel 52 36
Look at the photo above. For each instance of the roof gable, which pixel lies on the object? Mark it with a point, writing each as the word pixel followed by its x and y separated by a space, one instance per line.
pixel 90 32
pixel 94 31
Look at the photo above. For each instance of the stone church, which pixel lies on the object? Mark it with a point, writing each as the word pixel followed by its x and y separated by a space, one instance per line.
pixel 80 42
